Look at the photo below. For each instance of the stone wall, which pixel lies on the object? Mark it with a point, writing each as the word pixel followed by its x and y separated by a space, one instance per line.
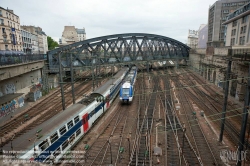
pixel 212 65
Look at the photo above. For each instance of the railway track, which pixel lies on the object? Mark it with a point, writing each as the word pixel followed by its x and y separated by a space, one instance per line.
pixel 109 139
pixel 141 149
pixel 41 112
pixel 194 129
pixel 212 106
pixel 181 150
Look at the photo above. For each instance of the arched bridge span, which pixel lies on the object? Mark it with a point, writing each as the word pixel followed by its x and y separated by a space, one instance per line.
pixel 118 48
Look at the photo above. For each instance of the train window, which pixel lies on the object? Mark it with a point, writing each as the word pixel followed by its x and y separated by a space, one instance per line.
pixel 72 138
pixel 44 145
pixel 57 152
pixel 76 119
pixel 62 130
pixel 70 124
pixel 65 144
pixel 92 113
pixel 78 132
pixel 53 138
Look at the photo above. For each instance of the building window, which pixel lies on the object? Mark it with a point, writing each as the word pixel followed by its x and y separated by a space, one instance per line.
pixel 234 23
pixel 243 29
pixel 0 12
pixel 232 42
pixel 242 40
pixel 244 19
pixel 233 32
pixel 6 47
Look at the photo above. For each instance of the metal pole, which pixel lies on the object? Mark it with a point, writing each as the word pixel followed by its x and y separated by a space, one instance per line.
pixel 72 79
pixel 110 152
pixel 225 98
pixel 184 130
pixel 128 145
pixel 156 136
pixel 244 120
pixel 61 82
pixel 93 75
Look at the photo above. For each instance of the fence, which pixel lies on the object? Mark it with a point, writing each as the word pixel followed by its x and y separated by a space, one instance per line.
pixel 16 58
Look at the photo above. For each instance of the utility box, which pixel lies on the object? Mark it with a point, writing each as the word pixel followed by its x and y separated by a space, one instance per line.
pixel 157 151
pixel 34 96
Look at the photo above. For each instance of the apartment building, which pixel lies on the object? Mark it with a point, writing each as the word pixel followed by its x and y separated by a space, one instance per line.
pixel 217 14
pixel 238 27
pixel 192 39
pixel 27 41
pixel 71 35
pixel 39 38
pixel 10 33
pixel 202 36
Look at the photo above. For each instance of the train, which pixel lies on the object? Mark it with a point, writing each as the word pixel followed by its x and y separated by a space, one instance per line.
pixel 127 88
pixel 52 138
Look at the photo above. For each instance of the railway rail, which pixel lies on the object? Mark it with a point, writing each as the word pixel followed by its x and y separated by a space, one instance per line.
pixel 40 112
pixel 194 130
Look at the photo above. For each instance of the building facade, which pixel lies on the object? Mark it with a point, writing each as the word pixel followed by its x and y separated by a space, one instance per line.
pixel 27 41
pixel 10 33
pixel 71 34
pixel 217 14
pixel 238 27
pixel 202 36
pixel 81 34
pixel 192 39
pixel 38 39
pixel 35 48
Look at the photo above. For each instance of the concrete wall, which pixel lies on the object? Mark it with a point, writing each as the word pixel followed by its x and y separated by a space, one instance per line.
pixel 221 51
pixel 10 71
pixel 21 83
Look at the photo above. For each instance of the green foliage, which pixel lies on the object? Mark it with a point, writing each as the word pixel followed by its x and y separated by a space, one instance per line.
pixel 51 43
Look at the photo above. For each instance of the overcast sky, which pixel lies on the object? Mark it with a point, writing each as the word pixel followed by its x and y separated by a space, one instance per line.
pixel 171 18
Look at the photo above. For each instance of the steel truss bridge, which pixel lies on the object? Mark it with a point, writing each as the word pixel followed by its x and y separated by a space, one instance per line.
pixel 117 49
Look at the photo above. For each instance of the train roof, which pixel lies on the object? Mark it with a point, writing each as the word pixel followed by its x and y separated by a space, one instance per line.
pixel 48 127
pixel 109 83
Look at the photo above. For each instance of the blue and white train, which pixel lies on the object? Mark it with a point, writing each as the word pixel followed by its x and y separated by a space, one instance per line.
pixel 127 88
pixel 57 135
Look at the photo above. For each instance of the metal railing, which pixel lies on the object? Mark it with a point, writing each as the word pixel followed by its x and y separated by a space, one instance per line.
pixel 18 58
pixel 242 54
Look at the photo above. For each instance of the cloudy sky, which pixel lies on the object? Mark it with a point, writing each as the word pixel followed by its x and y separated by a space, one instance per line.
pixel 171 18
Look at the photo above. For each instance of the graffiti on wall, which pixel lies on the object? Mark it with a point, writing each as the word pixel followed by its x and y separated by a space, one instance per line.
pixel 8 108
pixel 21 102
pixel 10 88
pixel 11 106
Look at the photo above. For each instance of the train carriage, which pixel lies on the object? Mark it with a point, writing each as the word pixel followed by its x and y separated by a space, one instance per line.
pixel 58 134
pixel 127 88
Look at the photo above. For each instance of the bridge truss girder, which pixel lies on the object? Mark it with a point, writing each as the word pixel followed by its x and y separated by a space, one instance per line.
pixel 120 48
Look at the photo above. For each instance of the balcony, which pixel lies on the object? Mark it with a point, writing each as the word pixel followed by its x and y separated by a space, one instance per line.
pixel 2 23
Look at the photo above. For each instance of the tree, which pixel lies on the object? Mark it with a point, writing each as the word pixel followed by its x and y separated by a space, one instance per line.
pixel 51 43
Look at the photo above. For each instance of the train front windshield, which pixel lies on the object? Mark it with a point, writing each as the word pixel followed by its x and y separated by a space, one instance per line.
pixel 125 91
